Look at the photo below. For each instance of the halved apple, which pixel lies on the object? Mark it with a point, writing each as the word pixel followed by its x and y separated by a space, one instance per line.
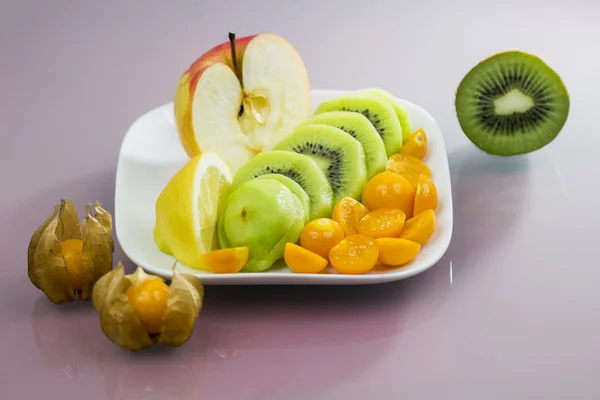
pixel 241 98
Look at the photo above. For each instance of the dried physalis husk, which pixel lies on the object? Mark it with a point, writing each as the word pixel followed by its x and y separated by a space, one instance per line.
pixel 167 319
pixel 66 258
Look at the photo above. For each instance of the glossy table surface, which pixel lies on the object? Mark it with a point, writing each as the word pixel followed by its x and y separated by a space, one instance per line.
pixel 511 311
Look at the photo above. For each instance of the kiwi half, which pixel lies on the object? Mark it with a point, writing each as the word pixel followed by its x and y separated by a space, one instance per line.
pixel 298 167
pixel 295 188
pixel 399 109
pixel 377 110
pixel 339 155
pixel 512 103
pixel 361 129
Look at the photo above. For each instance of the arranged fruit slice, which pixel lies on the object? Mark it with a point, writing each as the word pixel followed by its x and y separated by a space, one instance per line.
pixel 303 261
pixel 341 157
pixel 242 97
pixel 409 167
pixel 262 215
pixel 226 261
pixel 389 190
pixel 298 167
pixel 399 109
pixel 188 207
pixel 320 235
pixel 382 223
pixel 416 144
pixel 295 188
pixel 420 227
pixel 426 196
pixel 360 128
pixel 355 254
pixel 348 212
pixel 395 252
pixel 512 103
pixel 378 111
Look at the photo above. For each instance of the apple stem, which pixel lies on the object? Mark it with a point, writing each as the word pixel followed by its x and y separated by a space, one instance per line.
pixel 236 68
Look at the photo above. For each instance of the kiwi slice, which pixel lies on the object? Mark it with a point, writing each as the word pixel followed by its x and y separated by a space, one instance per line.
pixel 361 129
pixel 339 155
pixel 295 188
pixel 512 103
pixel 378 111
pixel 399 109
pixel 300 168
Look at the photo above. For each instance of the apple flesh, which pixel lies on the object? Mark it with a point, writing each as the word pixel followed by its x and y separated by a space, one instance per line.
pixel 240 115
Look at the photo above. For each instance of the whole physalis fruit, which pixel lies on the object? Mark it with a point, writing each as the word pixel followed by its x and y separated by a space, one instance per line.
pixel 65 258
pixel 140 310
pixel 320 235
pixel 389 190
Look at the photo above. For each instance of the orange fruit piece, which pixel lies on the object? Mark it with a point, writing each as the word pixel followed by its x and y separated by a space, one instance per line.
pixel 355 254
pixel 426 196
pixel 348 212
pixel 149 300
pixel 395 252
pixel 383 222
pixel 71 250
pixel 416 144
pixel 420 227
pixel 226 261
pixel 303 261
pixel 320 235
pixel 409 167
pixel 389 190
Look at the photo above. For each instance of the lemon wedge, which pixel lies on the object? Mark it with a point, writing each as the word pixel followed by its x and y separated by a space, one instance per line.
pixel 188 208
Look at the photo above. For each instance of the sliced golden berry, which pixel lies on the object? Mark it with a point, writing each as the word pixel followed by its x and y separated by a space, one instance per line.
pixel 409 167
pixel 356 254
pixel 226 261
pixel 426 196
pixel 303 261
pixel 416 145
pixel 383 222
pixel 396 252
pixel 348 212
pixel 420 227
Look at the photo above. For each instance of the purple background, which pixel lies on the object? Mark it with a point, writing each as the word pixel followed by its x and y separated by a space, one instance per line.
pixel 511 311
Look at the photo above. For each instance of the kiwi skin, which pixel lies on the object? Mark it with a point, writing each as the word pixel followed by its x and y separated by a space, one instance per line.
pixel 360 128
pixel 379 111
pixel 339 155
pixel 552 98
pixel 300 168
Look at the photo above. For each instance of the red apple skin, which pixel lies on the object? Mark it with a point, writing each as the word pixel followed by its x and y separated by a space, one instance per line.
pixel 187 86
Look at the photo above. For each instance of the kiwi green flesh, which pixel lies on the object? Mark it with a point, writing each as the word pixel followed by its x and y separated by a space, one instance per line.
pixel 295 188
pixel 298 167
pixel 361 129
pixel 399 109
pixel 339 155
pixel 512 103
pixel 378 111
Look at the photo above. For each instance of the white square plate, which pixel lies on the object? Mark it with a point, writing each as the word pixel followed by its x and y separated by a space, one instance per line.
pixel 151 154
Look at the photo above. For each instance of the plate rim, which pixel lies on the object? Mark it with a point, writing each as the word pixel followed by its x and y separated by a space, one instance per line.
pixel 273 278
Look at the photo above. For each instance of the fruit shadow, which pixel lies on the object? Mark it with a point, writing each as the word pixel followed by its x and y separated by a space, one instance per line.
pixel 488 194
